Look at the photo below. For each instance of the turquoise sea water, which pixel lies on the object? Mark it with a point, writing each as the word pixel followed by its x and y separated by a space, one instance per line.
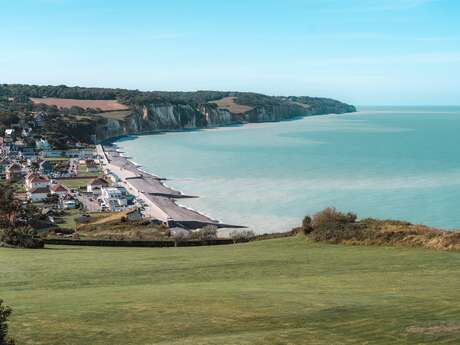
pixel 386 162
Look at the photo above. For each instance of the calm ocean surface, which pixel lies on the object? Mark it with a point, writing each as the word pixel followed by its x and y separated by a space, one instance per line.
pixel 385 162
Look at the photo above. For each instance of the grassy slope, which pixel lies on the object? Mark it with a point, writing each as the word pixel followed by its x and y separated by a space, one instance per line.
pixel 286 291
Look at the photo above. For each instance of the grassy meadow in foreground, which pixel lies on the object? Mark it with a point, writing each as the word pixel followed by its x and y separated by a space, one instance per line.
pixel 285 291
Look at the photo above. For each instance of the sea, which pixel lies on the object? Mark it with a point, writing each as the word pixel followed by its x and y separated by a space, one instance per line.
pixel 381 162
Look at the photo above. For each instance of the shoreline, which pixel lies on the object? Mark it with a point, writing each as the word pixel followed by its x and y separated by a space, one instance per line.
pixel 161 200
pixel 112 143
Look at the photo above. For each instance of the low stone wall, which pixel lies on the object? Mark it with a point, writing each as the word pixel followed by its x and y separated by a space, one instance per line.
pixel 153 244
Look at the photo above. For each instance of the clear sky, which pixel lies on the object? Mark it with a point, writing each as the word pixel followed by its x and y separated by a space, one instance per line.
pixel 364 52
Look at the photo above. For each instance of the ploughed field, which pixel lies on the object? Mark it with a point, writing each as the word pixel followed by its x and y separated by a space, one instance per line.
pixel 283 291
pixel 228 103
pixel 106 105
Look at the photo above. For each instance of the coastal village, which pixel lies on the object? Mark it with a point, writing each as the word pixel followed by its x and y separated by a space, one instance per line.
pixel 88 182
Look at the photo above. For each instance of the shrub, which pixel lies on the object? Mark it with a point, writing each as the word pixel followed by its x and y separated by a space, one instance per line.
pixel 209 232
pixel 241 235
pixel 333 226
pixel 331 216
pixel 5 313
pixel 20 237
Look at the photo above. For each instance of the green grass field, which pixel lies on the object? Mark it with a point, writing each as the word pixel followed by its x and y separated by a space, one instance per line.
pixel 76 183
pixel 286 291
pixel 69 219
pixel 57 159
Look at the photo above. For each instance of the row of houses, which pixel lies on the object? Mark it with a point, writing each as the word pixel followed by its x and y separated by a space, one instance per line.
pixel 40 188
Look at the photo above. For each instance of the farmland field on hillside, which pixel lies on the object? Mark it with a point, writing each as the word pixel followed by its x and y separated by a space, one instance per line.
pixel 106 105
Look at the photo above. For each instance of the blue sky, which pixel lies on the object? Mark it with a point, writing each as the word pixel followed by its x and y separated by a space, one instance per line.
pixel 364 52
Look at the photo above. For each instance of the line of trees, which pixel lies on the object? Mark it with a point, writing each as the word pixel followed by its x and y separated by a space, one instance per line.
pixel 15 220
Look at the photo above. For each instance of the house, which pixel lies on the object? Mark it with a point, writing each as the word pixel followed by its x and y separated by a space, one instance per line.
pixel 91 166
pixel 51 153
pixel 80 153
pixel 26 151
pixel 39 119
pixel 35 181
pixel 134 215
pixel 26 132
pixel 32 160
pixel 68 203
pixel 42 145
pixel 14 172
pixel 38 194
pixel 129 197
pixel 59 189
pixel 45 167
pixel 114 178
pixel 10 135
pixel 95 185
pixel 113 199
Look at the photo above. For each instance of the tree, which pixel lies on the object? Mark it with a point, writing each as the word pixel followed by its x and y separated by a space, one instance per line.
pixel 5 313
pixel 209 232
pixel 306 225
pixel 12 211
pixel 9 206
pixel 20 237
pixel 241 235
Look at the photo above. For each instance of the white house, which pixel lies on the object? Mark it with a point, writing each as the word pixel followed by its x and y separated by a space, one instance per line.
pixel 113 199
pixel 95 185
pixel 9 136
pixel 42 144
pixel 80 153
pixel 38 194
pixel 69 204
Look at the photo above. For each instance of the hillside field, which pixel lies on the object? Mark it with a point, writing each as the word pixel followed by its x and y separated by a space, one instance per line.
pixel 228 103
pixel 283 291
pixel 106 105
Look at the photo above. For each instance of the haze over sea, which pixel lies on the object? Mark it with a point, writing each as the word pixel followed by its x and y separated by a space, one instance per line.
pixel 386 162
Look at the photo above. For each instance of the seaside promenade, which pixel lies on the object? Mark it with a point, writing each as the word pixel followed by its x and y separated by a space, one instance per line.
pixel 159 199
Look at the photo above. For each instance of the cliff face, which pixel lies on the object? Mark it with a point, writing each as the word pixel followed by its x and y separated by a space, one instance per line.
pixel 157 117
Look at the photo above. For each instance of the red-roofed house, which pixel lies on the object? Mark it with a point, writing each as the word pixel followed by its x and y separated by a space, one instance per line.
pixel 34 181
pixel 14 172
pixel 38 194
pixel 59 189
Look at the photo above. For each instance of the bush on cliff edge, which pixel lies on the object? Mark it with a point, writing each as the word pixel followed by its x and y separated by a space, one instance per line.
pixel 332 226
